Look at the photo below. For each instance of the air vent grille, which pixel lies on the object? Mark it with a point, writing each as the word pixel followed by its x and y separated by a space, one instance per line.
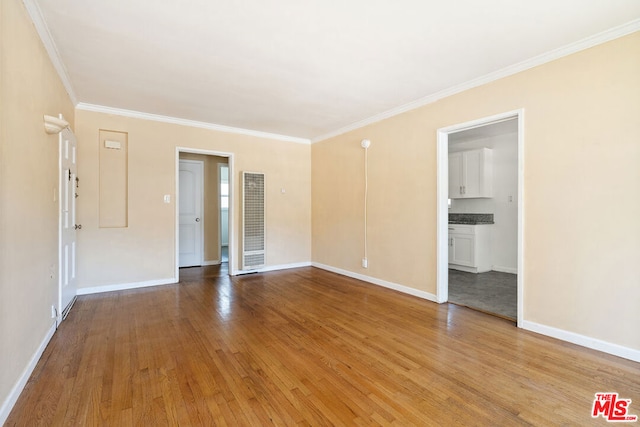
pixel 253 220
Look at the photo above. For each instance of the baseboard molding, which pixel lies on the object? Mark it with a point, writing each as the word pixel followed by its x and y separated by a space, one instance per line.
pixel 379 282
pixel 583 340
pixel 214 262
pixel 12 398
pixel 504 269
pixel 272 268
pixel 466 269
pixel 125 286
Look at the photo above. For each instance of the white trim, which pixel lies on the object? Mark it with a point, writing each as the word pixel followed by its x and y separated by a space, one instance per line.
pixel 43 31
pixel 442 218
pixel 272 268
pixel 442 263
pixel 12 398
pixel 464 268
pixel 49 45
pixel 521 217
pixel 586 43
pixel 214 262
pixel 232 239
pixel 583 340
pixel 186 122
pixel 500 269
pixel 219 193
pixel 125 286
pixel 379 282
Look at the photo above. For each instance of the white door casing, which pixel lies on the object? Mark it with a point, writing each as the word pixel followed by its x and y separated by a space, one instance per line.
pixel 442 270
pixel 67 227
pixel 223 179
pixel 190 199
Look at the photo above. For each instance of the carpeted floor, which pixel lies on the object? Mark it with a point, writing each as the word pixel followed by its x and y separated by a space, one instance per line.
pixel 492 292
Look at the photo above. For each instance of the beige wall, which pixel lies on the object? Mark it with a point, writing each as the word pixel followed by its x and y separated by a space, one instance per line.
pixel 582 174
pixel 114 183
pixel 211 203
pixel 29 88
pixel 145 250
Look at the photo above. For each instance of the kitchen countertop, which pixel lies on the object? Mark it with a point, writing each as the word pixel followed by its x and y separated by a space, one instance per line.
pixel 470 218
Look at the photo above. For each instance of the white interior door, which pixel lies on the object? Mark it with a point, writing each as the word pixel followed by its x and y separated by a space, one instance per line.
pixel 190 195
pixel 68 223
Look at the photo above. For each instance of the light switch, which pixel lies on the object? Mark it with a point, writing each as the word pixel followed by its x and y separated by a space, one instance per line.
pixel 167 198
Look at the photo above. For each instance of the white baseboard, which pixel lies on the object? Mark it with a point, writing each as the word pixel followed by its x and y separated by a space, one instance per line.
pixel 12 398
pixel 583 340
pixel 466 269
pixel 504 269
pixel 124 286
pixel 214 262
pixel 379 282
pixel 272 268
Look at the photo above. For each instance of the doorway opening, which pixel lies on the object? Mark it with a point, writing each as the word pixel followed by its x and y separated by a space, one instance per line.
pixel 199 241
pixel 480 215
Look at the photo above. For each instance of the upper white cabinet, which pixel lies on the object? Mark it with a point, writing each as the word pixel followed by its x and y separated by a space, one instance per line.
pixel 470 174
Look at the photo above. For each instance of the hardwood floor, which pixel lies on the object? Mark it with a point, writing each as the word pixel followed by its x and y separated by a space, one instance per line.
pixel 306 347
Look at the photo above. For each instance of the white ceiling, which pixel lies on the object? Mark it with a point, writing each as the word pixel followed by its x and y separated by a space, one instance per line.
pixel 303 68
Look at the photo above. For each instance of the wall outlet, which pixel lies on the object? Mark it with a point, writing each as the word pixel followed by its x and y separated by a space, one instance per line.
pixel 365 263
pixel 54 313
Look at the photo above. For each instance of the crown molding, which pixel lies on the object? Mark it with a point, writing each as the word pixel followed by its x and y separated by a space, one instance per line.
pixel 185 122
pixel 49 45
pixel 43 31
pixel 586 43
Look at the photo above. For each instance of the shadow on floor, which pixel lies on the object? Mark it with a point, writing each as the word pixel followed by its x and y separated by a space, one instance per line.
pixel 190 274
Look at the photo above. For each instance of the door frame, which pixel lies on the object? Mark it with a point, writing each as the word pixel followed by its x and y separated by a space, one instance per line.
pixel 202 208
pixel 442 263
pixel 220 166
pixel 232 244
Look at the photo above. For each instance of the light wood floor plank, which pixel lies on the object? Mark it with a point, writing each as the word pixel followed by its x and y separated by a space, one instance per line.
pixel 306 347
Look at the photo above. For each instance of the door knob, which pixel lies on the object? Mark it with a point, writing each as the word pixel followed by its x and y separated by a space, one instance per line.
pixel 78 227
pixel 197 219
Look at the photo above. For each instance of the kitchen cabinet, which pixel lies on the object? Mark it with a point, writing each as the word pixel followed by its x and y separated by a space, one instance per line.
pixel 470 247
pixel 470 174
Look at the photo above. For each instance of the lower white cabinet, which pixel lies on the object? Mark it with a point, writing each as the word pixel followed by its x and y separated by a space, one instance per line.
pixel 470 247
